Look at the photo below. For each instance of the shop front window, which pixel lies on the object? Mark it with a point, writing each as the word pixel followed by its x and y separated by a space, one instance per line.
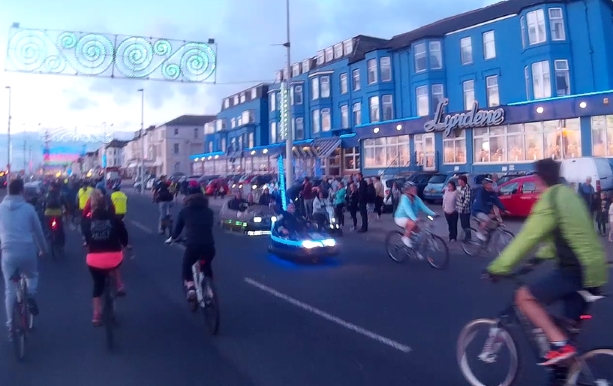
pixel 602 136
pixel 384 152
pixel 455 148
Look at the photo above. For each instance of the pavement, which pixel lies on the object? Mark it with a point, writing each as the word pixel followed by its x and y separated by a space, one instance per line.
pixel 358 319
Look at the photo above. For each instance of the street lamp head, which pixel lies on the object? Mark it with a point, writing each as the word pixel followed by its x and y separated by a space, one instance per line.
pixel 7 87
pixel 140 90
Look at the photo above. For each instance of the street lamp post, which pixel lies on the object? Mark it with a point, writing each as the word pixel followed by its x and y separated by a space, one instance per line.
pixel 289 139
pixel 8 163
pixel 104 155
pixel 142 140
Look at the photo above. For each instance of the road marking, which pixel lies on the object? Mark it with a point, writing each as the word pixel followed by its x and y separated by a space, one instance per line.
pixel 141 226
pixel 331 318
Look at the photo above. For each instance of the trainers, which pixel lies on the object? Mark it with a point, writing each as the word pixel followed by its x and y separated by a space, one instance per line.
pixel 32 306
pixel 191 298
pixel 481 236
pixel 97 320
pixel 407 241
pixel 558 354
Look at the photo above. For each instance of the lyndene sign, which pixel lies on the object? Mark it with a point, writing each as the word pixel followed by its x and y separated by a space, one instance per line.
pixel 468 120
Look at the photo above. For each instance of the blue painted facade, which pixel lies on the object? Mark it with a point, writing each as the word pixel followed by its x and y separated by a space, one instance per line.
pixel 521 55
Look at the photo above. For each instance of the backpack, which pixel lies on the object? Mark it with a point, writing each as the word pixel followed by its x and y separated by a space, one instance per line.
pixel 53 200
pixel 164 194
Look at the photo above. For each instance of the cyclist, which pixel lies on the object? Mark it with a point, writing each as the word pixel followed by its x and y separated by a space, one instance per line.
pixel 486 199
pixel 120 201
pixel 55 203
pixel 197 219
pixel 83 195
pixel 164 199
pixel 560 219
pixel 106 236
pixel 409 207
pixel 21 237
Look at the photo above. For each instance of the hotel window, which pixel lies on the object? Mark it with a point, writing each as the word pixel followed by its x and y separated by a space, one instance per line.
pixel 226 103
pixel 351 158
pixel 306 65
pixel 468 88
pixel 357 114
pixel 436 55
pixel 325 86
pixel 454 148
pixel 348 46
pixel 541 80
pixel 387 105
pixel 556 24
pixel 420 57
pixel 386 69
pixel 326 123
pixel 527 79
pixel 254 93
pixel 356 80
pixel 329 54
pixel 386 151
pixel 273 132
pixel 320 58
pixel 296 95
pixel 299 128
pixel 343 82
pixel 243 97
pixel 437 94
pixel 466 50
pixel 338 51
pixel 344 116
pixel 296 69
pixel 235 100
pixel 315 88
pixel 374 110
pixel 522 24
pixel 423 108
pixel 372 71
pixel 536 27
pixel 489 45
pixel 562 77
pixel 602 136
pixel 493 95
pixel 273 101
pixel 315 117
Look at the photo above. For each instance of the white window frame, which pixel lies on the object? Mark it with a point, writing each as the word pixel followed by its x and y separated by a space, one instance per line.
pixel 356 113
pixel 326 120
pixel 422 101
pixel 522 24
pixel 316 121
pixel 466 50
pixel 299 128
pixel 436 90
pixel 420 52
pixel 329 54
pixel 254 93
pixel 541 80
pixel 320 58
pixel 468 91
pixel 454 141
pixel 338 51
pixel 226 103
pixel 243 97
pixel 356 80
pixel 298 95
pixel 556 21
pixel 387 105
pixel 535 23
pixel 390 148
pixel 372 76
pixel 489 45
pixel 343 83
pixel 295 69
pixel 374 109
pixel 306 65
pixel 272 101
pixel 492 91
pixel 235 100
pixel 344 117
pixel 315 88
pixel 385 66
pixel 324 86
pixel 435 51
pixel 561 68
pixel 348 46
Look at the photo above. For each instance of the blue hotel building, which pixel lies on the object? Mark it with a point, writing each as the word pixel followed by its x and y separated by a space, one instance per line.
pixel 489 90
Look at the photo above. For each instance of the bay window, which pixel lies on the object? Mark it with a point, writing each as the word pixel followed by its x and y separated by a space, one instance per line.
pixel 420 57
pixel 386 69
pixel 298 128
pixel 375 111
pixel 324 84
pixel 436 55
pixel 326 122
pixel 387 151
pixel 273 132
pixel 423 108
pixel 315 121
pixel 541 80
pixel 315 88
pixel 357 114
pixel 344 117
pixel 372 71
pixel 536 27
pixel 437 95
pixel 556 24
pixel 387 105
pixel 562 77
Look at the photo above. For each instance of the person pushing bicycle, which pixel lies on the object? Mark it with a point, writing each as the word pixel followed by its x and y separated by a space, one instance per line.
pixel 559 219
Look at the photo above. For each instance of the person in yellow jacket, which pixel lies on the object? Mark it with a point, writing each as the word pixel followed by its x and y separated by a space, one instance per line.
pixel 120 201
pixel 83 195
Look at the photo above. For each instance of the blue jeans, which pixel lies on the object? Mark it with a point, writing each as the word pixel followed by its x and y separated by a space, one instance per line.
pixel 164 211
pixel 24 258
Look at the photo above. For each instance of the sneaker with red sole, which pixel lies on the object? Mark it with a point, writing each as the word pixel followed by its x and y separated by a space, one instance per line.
pixel 558 354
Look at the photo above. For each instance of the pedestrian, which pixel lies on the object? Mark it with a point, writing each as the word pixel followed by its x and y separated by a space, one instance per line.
pixel 307 196
pixel 379 196
pixel 372 195
pixel 464 205
pixel 586 191
pixel 450 197
pixel 353 200
pixel 363 201
pixel 394 196
pixel 602 213
pixel 339 203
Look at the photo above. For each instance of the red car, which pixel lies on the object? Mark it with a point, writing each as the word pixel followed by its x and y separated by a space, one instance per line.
pixel 519 195
pixel 219 185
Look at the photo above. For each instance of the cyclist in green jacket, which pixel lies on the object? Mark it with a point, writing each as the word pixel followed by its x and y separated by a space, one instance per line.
pixel 560 220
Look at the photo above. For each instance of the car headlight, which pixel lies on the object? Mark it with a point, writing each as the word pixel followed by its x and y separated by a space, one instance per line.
pixel 233 186
pixel 240 186
pixel 329 242
pixel 309 244
pixel 273 219
pixel 257 219
pixel 332 219
pixel 254 186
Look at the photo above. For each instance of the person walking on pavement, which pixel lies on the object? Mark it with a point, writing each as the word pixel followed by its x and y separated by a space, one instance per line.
pixel 394 196
pixel 340 196
pixel 464 205
pixel 353 200
pixel 449 207
pixel 164 199
pixel 379 196
pixel 307 197
pixel 586 191
pixel 363 202
pixel 602 213
pixel 21 240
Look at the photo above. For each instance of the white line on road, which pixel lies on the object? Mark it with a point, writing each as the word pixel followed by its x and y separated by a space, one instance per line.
pixel 141 227
pixel 331 318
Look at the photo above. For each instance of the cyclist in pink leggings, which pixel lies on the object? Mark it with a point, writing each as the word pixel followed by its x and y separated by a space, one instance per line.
pixel 106 237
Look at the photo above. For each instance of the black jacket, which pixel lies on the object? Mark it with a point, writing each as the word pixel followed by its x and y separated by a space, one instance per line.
pixel 363 192
pixel 105 233
pixel 197 219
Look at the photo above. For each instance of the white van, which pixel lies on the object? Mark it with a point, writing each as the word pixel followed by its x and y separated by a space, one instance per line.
pixel 576 170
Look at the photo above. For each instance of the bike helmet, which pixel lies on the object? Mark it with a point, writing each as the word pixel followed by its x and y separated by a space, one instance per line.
pixel 194 187
pixel 487 180
pixel 408 185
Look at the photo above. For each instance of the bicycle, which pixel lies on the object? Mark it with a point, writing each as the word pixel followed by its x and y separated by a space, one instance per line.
pixel 500 331
pixel 57 250
pixel 23 320
pixel 498 236
pixel 206 294
pixel 424 240
pixel 109 318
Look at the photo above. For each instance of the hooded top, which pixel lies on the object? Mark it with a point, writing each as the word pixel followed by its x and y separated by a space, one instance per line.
pixel 19 225
pixel 197 219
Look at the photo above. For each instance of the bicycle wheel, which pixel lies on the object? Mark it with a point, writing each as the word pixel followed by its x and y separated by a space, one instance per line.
pixel 503 239
pixel 474 246
pixel 210 307
pixel 108 315
pixel 18 332
pixel 436 252
pixel 581 373
pixel 488 353
pixel 395 247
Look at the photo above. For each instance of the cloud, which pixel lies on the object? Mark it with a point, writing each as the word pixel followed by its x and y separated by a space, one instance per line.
pixel 82 103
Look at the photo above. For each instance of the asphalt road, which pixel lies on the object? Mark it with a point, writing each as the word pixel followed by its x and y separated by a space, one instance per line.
pixel 359 319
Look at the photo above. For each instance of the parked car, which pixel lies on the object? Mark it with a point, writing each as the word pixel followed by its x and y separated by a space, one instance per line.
pixel 576 170
pixel 512 175
pixel 215 185
pixel 519 195
pixel 437 184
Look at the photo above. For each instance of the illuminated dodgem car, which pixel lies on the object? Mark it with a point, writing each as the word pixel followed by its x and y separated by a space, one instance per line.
pixel 254 220
pixel 307 245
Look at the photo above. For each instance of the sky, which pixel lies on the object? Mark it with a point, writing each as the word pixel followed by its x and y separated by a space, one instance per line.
pixel 246 32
